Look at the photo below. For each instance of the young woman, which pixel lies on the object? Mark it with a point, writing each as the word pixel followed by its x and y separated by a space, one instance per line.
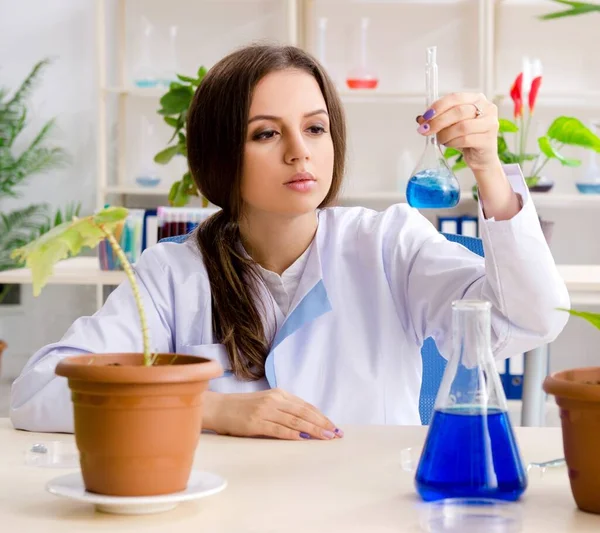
pixel 316 313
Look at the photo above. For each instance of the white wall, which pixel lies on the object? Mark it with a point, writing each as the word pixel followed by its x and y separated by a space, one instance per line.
pixel 63 30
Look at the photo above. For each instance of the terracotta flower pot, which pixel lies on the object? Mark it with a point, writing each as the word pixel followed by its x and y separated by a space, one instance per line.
pixel 577 394
pixel 137 427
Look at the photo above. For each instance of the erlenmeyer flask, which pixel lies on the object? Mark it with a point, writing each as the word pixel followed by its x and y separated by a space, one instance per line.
pixel 361 76
pixel 144 71
pixel 432 183
pixel 470 450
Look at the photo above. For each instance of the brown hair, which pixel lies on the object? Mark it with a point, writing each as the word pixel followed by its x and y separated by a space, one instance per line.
pixel 216 135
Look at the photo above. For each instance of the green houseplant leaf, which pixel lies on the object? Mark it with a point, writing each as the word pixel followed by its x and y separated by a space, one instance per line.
pixel 166 155
pixel 549 151
pixel 69 239
pixel 64 240
pixel 174 107
pixel 576 8
pixel 592 318
pixel 507 126
pixel 571 131
pixel 176 100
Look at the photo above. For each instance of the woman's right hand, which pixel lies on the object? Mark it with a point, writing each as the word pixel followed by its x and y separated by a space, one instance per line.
pixel 271 413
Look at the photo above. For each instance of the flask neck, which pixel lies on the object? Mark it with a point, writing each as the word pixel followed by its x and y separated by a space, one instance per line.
pixel 471 381
pixel 471 332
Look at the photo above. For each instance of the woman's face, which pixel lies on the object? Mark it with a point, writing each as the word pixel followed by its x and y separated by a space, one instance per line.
pixel 288 156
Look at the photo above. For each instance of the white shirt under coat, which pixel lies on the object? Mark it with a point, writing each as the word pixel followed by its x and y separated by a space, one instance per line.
pixel 373 286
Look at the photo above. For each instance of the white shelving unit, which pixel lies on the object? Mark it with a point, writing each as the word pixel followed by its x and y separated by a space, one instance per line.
pixel 474 51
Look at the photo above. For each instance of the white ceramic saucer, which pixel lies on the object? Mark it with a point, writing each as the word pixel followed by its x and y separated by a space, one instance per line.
pixel 200 485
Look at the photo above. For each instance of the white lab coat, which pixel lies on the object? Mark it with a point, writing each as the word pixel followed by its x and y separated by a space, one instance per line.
pixel 375 285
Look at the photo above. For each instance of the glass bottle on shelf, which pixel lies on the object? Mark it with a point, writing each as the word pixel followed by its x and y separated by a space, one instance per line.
pixel 433 184
pixel 171 66
pixel 145 74
pixel 361 76
pixel 590 181
pixel 146 174
pixel 470 451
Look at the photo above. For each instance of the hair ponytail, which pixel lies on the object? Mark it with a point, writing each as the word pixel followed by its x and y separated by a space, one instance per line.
pixel 236 320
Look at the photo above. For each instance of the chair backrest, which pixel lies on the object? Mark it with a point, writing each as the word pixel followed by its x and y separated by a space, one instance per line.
pixel 433 363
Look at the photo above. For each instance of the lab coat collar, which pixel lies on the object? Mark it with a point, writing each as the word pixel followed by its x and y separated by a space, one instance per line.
pixel 309 303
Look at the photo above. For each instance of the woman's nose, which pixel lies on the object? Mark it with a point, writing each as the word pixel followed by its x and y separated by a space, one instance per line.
pixel 297 150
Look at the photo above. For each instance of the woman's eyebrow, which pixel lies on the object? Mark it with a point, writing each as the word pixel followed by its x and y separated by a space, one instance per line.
pixel 273 117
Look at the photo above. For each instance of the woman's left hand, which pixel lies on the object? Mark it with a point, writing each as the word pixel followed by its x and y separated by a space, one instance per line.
pixel 467 122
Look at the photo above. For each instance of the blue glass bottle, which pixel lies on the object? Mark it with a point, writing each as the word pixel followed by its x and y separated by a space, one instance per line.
pixel 470 450
pixel 432 183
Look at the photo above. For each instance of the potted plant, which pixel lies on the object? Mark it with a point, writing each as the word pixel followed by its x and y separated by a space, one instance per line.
pixel 137 416
pixel 577 394
pixel 174 107
pixel 564 131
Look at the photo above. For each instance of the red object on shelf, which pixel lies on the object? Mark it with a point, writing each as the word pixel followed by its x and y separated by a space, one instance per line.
pixel 358 83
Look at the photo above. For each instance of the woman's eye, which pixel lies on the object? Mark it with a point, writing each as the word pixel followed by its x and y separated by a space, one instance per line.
pixel 316 130
pixel 267 134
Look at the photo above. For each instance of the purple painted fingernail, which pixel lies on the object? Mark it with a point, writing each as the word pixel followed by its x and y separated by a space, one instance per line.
pixel 423 128
pixel 338 432
pixel 305 435
pixel 429 114
pixel 328 434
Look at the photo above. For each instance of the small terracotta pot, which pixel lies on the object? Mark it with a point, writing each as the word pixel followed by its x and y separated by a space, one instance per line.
pixel 137 427
pixel 577 395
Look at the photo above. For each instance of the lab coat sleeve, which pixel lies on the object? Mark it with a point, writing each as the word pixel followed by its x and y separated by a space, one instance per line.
pixel 518 277
pixel 40 400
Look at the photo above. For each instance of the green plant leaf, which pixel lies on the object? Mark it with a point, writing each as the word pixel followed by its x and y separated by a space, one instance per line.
pixel 508 158
pixel 201 73
pixel 459 165
pixel 172 121
pixel 176 101
pixel 65 240
pixel 507 126
pixel 177 195
pixel 549 151
pixel 592 318
pixel 451 152
pixel 28 84
pixel 577 8
pixel 502 145
pixel 532 181
pixel 187 79
pixel 163 157
pixel 110 215
pixel 571 131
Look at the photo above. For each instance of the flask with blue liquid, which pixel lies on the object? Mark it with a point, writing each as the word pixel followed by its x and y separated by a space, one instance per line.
pixel 470 451
pixel 432 184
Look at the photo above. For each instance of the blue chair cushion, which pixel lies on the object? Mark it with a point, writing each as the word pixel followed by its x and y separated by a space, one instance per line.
pixel 433 363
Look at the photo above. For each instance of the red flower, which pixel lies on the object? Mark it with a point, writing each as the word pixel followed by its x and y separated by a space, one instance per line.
pixel 533 92
pixel 516 93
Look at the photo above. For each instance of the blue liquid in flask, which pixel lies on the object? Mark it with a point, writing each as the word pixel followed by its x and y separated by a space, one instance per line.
pixel 470 453
pixel 433 189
